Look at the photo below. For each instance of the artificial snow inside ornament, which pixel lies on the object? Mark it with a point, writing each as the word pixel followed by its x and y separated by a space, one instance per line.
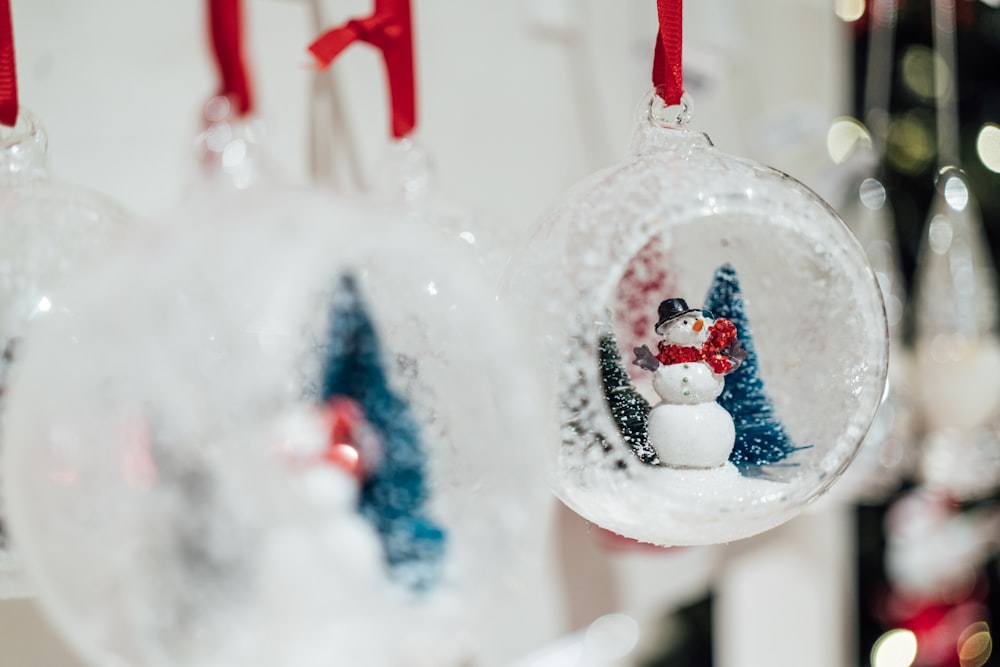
pixel 48 229
pixel 756 404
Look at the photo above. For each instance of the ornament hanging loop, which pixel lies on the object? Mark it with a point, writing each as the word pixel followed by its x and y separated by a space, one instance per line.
pixel 660 126
pixel 24 147
pixel 661 114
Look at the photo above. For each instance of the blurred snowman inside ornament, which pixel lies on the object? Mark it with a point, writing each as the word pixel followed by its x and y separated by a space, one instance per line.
pixel 688 428
pixel 333 450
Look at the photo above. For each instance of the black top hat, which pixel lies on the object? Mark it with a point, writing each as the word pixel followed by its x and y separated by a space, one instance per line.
pixel 671 309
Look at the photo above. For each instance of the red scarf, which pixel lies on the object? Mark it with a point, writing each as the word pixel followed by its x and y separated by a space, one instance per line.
pixel 721 335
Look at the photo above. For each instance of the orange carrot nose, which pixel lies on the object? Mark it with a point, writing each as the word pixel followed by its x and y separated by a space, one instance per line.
pixel 698 324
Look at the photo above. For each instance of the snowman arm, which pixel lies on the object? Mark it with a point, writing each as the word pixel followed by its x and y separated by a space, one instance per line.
pixel 736 355
pixel 645 359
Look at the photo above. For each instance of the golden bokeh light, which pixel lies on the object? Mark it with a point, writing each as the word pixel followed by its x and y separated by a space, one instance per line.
pixel 975 645
pixel 910 145
pixel 924 73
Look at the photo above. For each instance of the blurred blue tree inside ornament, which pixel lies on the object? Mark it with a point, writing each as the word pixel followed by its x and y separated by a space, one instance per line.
pixel 394 495
pixel 761 439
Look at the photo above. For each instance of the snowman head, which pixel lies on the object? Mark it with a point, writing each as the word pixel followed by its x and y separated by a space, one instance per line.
pixel 681 325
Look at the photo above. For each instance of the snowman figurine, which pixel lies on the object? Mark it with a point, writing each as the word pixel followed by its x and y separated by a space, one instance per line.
pixel 688 429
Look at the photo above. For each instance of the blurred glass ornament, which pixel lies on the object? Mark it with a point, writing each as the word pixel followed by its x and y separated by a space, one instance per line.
pixel 808 294
pixel 406 182
pixel 932 548
pixel 886 456
pixel 963 463
pixel 957 348
pixel 48 231
pixel 935 562
pixel 190 473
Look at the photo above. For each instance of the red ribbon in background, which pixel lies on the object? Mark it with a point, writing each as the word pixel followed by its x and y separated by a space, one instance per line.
pixel 226 27
pixel 667 75
pixel 388 29
pixel 8 68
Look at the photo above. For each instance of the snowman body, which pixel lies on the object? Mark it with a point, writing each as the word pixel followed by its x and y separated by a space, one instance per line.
pixel 687 383
pixel 687 428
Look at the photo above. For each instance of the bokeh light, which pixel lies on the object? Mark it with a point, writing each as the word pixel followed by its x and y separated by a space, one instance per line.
pixel 939 234
pixel 924 73
pixel 975 645
pixel 849 10
pixel 956 193
pixel 846 134
pixel 988 146
pixel 610 637
pixel 910 148
pixel 872 194
pixel 896 648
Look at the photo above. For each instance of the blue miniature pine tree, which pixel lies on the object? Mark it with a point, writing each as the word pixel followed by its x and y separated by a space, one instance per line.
pixel 761 439
pixel 394 496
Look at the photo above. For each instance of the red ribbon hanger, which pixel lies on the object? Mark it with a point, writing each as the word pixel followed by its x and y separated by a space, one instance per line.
pixel 8 69
pixel 390 30
pixel 225 22
pixel 667 75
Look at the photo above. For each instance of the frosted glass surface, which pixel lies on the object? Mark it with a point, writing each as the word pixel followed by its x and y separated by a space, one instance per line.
pixel 49 231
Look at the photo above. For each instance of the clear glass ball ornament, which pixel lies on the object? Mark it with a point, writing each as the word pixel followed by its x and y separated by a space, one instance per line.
pixel 48 230
pixel 685 438
pixel 277 441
